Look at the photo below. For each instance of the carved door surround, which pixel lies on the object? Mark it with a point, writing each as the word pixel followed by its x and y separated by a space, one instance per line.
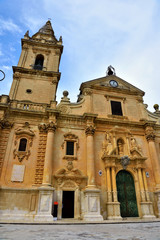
pixel 69 179
pixel 129 157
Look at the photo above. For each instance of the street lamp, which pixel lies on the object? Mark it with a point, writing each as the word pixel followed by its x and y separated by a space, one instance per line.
pixel 3 75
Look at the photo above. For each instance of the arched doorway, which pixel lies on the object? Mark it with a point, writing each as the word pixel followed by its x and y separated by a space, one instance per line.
pixel 126 194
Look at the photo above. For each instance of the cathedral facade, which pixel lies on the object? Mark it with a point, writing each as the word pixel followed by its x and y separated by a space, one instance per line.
pixel 93 160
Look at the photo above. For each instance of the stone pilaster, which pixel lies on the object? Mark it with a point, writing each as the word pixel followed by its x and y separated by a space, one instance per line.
pixel 158 202
pixel 146 205
pixel 142 192
pixel 150 136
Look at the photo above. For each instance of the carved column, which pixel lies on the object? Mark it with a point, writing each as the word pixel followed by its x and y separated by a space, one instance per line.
pixel 114 187
pixel 90 155
pixel 47 174
pixel 46 191
pixel 112 204
pixel 109 193
pixel 150 136
pixel 92 193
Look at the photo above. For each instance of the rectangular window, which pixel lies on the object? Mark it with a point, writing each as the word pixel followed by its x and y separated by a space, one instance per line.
pixel 69 148
pixel 116 108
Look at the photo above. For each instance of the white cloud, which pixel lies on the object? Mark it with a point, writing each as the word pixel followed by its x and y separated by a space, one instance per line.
pixel 123 33
pixel 9 68
pixel 8 25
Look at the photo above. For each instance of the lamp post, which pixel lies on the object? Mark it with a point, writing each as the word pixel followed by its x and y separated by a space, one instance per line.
pixel 3 75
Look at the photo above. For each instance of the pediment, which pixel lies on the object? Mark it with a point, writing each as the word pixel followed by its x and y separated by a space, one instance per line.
pixel 104 83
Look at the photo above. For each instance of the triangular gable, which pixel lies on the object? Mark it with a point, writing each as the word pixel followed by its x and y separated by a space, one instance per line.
pixel 104 83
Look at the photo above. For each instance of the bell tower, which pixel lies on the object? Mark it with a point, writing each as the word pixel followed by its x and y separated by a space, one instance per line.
pixel 36 76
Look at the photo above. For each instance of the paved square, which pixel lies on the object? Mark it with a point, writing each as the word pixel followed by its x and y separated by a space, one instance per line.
pixel 125 231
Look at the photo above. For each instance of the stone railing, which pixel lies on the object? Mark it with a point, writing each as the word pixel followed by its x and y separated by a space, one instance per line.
pixel 30 106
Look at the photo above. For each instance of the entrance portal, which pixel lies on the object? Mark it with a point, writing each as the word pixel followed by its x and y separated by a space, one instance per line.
pixel 126 194
pixel 68 204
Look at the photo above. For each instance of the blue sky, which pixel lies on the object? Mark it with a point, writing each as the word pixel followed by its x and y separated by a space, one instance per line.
pixel 96 34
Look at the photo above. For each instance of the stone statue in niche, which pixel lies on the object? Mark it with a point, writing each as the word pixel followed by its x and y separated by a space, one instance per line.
pixel 107 145
pixel 120 146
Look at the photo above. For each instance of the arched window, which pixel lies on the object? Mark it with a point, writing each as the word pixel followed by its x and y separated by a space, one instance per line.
pixel 22 145
pixel 39 62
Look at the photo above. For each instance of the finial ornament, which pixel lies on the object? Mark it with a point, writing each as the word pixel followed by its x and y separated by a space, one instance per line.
pixel 110 70
pixel 156 107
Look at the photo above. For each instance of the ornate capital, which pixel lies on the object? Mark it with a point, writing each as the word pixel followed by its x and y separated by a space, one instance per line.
pixel 42 128
pixel 5 124
pixel 149 133
pixel 51 127
pixel 90 130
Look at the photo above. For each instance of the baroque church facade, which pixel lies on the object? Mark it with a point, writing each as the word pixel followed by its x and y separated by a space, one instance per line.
pixel 97 159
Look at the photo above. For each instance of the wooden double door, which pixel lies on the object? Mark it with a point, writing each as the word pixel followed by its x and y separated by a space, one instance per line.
pixel 126 194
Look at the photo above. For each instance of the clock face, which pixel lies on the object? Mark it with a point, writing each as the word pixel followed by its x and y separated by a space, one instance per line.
pixel 113 83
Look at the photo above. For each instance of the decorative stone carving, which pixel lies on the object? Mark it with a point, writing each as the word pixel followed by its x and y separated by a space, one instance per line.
pixel 125 161
pixel 149 133
pixel 87 91
pixel 47 127
pixel 107 145
pixel 51 126
pixel 70 137
pixel 70 165
pixel 64 109
pixel 5 124
pixel 42 127
pixel 28 134
pixel 90 130
pixel 21 155
pixel 135 149
pixel 70 174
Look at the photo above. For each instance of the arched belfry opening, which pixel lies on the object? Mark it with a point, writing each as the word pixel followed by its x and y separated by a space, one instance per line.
pixel 126 194
pixel 39 62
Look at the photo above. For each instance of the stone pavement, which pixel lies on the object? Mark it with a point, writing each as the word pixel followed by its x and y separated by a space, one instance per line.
pixel 116 231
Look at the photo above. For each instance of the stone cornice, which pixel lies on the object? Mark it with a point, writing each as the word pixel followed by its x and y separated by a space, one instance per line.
pixel 117 90
pixel 35 72
pixel 41 44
